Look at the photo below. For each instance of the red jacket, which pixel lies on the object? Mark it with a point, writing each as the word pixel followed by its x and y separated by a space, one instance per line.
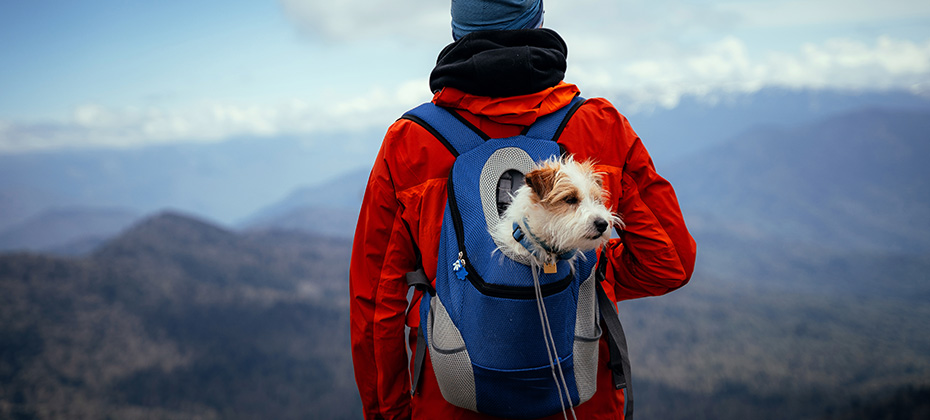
pixel 402 212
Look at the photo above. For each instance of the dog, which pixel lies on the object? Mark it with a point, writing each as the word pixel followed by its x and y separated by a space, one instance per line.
pixel 559 214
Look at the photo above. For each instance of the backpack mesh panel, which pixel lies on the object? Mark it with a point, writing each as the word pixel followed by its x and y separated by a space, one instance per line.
pixel 501 161
pixel 450 358
pixel 587 335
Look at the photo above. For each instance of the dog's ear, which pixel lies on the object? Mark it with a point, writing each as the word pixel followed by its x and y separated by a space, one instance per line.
pixel 541 180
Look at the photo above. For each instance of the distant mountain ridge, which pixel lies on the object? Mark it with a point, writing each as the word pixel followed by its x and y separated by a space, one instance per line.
pixel 853 181
pixel 224 181
pixel 329 208
pixel 67 230
pixel 176 242
pixel 694 124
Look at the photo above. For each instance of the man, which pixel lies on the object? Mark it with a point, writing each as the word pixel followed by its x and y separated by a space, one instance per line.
pixel 502 73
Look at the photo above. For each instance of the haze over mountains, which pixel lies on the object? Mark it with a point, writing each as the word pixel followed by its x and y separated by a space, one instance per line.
pixel 240 182
pixel 223 181
pixel 857 180
pixel 808 300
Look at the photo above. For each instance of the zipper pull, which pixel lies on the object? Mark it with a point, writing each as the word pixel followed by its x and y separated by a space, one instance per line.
pixel 458 267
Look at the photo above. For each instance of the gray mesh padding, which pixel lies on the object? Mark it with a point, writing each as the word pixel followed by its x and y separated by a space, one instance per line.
pixel 502 160
pixel 587 335
pixel 450 359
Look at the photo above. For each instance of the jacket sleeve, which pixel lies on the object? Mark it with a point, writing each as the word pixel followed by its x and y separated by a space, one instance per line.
pixel 655 253
pixel 381 257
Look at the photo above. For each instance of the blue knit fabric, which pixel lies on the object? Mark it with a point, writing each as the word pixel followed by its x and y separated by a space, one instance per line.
pixel 483 15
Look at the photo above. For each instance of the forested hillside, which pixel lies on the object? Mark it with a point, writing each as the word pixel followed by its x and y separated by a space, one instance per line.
pixel 178 319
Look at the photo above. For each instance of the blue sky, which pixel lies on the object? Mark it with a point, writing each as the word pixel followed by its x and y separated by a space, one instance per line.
pixel 104 73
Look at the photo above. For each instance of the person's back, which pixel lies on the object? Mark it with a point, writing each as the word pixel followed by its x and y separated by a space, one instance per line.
pixel 500 75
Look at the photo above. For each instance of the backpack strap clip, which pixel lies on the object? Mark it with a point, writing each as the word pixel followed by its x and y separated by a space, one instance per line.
pixel 418 280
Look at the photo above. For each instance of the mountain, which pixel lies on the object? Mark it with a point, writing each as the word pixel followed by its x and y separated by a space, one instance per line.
pixel 812 270
pixel 743 348
pixel 67 230
pixel 225 181
pixel 329 208
pixel 178 319
pixel 697 123
pixel 854 181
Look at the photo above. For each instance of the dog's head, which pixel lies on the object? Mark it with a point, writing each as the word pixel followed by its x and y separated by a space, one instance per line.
pixel 563 203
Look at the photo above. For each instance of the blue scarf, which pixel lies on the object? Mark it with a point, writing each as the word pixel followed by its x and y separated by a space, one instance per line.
pixel 485 15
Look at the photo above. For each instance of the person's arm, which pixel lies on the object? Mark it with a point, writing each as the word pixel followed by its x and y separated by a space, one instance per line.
pixel 380 259
pixel 656 253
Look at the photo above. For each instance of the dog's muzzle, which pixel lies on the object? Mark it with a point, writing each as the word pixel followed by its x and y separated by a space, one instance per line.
pixel 600 226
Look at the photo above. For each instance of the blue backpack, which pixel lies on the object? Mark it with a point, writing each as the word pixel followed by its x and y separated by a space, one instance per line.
pixel 502 342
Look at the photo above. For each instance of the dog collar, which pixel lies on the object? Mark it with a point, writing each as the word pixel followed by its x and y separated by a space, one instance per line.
pixel 524 239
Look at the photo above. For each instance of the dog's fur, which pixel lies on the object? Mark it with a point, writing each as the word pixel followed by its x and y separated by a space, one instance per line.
pixel 562 205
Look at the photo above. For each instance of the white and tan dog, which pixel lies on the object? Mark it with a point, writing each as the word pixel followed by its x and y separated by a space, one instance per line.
pixel 559 214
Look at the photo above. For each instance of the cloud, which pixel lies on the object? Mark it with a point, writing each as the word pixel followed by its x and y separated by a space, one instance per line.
pixel 660 50
pixel 847 64
pixel 97 126
pixel 712 72
pixel 727 67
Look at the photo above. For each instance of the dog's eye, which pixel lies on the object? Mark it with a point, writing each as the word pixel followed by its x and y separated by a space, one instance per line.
pixel 571 200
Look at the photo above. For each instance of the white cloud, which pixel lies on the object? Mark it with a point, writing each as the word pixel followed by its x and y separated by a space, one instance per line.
pixel 96 126
pixel 846 64
pixel 727 66
pixel 657 51
pixel 721 68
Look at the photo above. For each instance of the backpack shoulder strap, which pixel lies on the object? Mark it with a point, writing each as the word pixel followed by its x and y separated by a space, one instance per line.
pixel 619 362
pixel 458 136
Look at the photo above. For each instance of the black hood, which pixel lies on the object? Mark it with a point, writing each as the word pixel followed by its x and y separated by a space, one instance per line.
pixel 502 63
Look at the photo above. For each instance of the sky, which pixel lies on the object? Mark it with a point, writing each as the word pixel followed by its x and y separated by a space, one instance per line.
pixel 130 73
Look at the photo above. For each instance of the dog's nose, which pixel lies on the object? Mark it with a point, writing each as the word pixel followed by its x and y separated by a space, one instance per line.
pixel 601 225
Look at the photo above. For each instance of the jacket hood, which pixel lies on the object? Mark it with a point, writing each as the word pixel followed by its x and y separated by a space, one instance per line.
pixel 516 110
pixel 502 63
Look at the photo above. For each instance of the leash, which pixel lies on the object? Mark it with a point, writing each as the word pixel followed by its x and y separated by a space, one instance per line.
pixel 557 374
